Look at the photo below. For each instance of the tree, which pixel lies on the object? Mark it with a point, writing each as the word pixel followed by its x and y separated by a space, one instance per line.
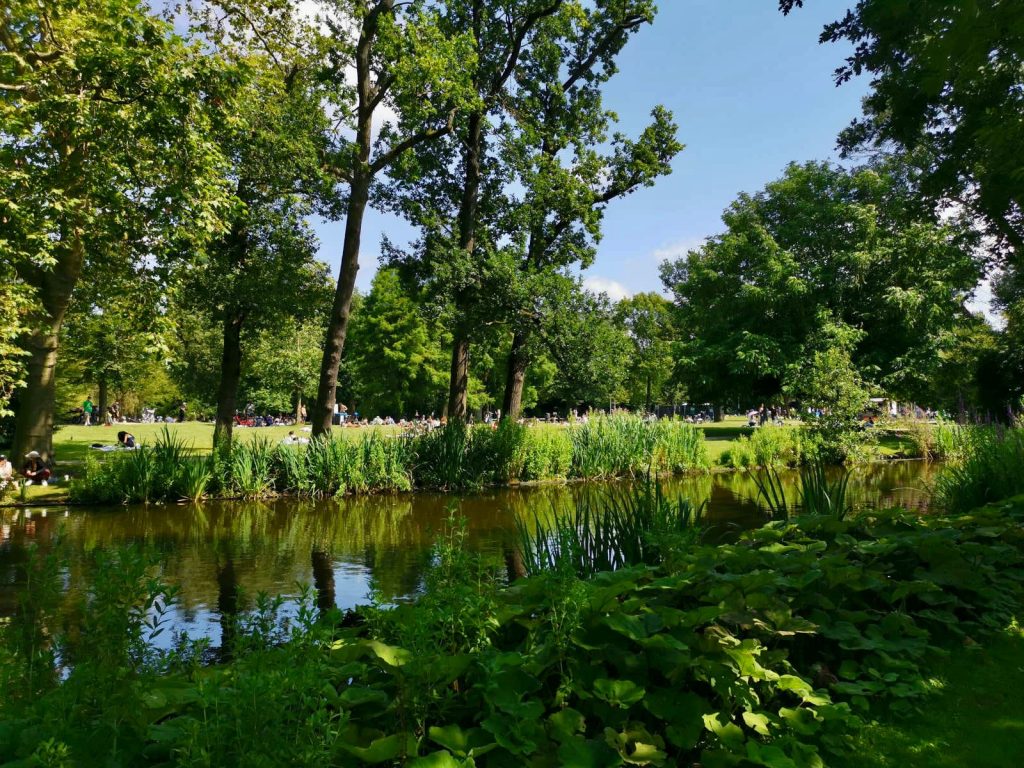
pixel 395 352
pixel 453 188
pixel 948 85
pixel 855 244
pixel 647 319
pixel 262 271
pixel 590 348
pixel 405 60
pixel 559 119
pixel 104 142
pixel 284 364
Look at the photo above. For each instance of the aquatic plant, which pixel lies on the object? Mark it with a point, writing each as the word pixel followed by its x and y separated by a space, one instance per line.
pixel 987 466
pixel 771 492
pixel 615 532
pixel 821 496
pixel 250 466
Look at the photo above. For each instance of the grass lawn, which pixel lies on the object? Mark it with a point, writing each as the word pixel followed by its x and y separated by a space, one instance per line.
pixel 976 719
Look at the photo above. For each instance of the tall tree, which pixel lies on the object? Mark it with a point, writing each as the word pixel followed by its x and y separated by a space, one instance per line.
pixel 407 61
pixel 559 120
pixel 454 190
pixel 105 139
pixel 262 270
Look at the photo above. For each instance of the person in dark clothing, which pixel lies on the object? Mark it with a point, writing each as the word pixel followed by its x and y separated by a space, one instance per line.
pixel 182 410
pixel 34 469
pixel 126 440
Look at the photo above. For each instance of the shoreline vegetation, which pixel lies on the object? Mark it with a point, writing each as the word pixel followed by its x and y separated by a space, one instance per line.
pixel 172 466
pixel 800 644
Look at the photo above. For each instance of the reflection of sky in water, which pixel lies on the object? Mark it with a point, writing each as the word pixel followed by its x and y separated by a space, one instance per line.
pixel 222 555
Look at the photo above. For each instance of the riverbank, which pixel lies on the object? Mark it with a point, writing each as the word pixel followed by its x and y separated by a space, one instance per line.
pixel 780 649
pixel 722 441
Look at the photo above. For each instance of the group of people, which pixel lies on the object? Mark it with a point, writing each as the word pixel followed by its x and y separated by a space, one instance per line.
pixel 34 470
pixel 758 417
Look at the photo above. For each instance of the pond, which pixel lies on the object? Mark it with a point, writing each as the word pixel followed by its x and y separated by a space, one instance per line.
pixel 222 555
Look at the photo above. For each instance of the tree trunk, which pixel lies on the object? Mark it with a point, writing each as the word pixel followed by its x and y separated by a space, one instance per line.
pixel 298 408
pixel 33 425
pixel 101 411
pixel 334 346
pixel 459 390
pixel 648 396
pixel 515 378
pixel 230 374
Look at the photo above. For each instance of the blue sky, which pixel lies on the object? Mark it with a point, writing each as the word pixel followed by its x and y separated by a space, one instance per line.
pixel 751 91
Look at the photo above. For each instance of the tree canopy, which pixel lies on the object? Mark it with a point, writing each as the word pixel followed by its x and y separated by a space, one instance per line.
pixel 852 244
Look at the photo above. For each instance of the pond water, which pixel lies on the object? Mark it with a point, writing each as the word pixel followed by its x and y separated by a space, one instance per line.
pixel 222 555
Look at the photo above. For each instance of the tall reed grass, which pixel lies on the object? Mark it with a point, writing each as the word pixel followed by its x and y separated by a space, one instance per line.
pixel 631 528
pixel 772 447
pixel 456 457
pixel 987 466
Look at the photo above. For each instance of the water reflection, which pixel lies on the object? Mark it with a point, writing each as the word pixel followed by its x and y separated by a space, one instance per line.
pixel 223 554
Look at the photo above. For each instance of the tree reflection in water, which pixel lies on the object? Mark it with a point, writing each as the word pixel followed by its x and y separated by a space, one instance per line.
pixel 218 553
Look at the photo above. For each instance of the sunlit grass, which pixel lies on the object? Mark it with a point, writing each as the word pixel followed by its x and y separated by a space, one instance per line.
pixel 976 717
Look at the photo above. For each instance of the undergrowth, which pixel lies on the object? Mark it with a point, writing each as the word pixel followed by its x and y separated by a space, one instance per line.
pixel 770 651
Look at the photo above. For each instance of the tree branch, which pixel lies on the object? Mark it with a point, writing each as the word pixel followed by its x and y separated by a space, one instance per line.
pixel 516 48
pixel 416 139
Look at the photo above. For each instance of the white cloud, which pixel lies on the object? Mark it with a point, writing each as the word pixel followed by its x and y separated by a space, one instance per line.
pixel 616 291
pixel 677 249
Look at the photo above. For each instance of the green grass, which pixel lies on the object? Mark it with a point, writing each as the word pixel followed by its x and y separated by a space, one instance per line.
pixel 71 443
pixel 975 719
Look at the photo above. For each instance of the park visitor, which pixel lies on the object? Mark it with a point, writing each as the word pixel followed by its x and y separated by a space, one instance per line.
pixel 182 408
pixel 126 440
pixel 35 469
pixel 87 411
pixel 6 472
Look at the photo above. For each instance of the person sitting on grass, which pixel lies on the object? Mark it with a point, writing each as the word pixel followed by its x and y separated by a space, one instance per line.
pixel 6 472
pixel 126 440
pixel 35 469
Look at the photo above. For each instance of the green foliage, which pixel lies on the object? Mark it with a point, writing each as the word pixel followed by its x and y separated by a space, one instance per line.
pixel 624 530
pixel 769 651
pixel 946 86
pixel 987 465
pixel 818 275
pixel 395 354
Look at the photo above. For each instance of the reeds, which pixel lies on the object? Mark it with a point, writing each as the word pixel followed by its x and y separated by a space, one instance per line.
pixel 771 446
pixel 628 446
pixel 454 458
pixel 631 528
pixel 988 466
pixel 821 496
